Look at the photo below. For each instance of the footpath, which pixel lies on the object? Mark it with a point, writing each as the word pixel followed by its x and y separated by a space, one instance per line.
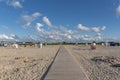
pixel 64 67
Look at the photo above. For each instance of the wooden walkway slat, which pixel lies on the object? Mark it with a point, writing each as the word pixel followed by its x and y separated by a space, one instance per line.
pixel 65 68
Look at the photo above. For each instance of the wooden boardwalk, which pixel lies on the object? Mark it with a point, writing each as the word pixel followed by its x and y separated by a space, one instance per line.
pixel 64 67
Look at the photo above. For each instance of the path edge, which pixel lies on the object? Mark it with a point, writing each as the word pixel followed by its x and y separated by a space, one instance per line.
pixel 77 62
pixel 49 66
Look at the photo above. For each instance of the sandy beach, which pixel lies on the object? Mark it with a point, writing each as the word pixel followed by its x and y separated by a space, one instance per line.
pixel 100 64
pixel 31 63
pixel 25 63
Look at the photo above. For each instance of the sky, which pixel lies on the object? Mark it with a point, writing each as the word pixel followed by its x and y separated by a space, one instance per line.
pixel 59 20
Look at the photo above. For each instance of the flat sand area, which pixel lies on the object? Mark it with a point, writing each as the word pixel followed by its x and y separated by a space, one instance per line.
pixel 25 63
pixel 30 63
pixel 100 64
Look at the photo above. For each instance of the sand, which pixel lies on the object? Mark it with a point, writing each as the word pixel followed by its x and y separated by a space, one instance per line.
pixel 100 64
pixel 31 63
pixel 25 63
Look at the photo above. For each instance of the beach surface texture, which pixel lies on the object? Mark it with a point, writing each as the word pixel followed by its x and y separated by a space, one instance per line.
pixel 73 62
pixel 25 63
pixel 100 64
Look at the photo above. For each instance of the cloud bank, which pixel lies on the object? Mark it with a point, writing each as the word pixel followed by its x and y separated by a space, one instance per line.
pixel 5 37
pixel 54 33
pixel 83 28
pixel 93 29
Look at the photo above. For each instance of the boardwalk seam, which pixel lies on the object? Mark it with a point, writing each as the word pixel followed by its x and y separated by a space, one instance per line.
pixel 78 64
pixel 49 66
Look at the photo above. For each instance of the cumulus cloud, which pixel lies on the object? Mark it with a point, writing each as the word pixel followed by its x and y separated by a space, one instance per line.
pixel 36 14
pixel 16 4
pixel 118 10
pixel 69 37
pixel 61 34
pixel 28 19
pixel 86 37
pixel 83 28
pixel 103 28
pixel 58 34
pixel 5 37
pixel 13 3
pixel 65 30
pixel 91 37
pixel 98 36
pixel 47 21
pixel 95 29
pixel 38 26
pixel 92 29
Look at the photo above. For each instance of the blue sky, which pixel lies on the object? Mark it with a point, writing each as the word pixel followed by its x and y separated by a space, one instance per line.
pixel 59 20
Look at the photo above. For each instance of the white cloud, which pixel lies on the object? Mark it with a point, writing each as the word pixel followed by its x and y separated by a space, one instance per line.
pixel 118 10
pixel 5 37
pixel 58 34
pixel 98 34
pixel 51 36
pixel 87 37
pixel 103 28
pixel 95 29
pixel 16 4
pixel 38 26
pixel 99 37
pixel 36 14
pixel 61 34
pixel 47 21
pixel 92 37
pixel 83 28
pixel 69 37
pixel 65 30
pixel 28 19
pixel 70 31
pixel 13 3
